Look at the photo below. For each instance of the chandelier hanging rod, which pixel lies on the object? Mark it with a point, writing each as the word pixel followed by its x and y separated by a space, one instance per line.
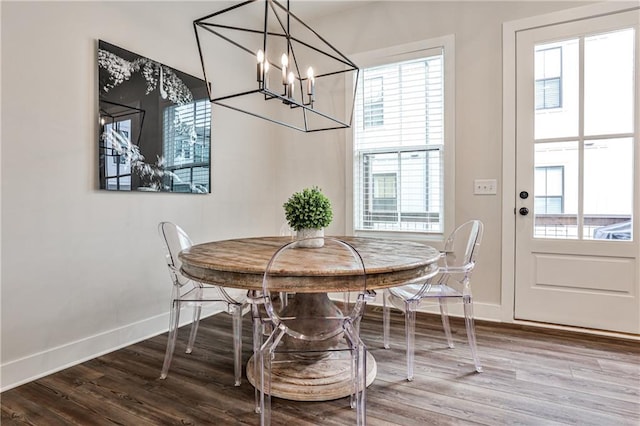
pixel 235 6
pixel 289 13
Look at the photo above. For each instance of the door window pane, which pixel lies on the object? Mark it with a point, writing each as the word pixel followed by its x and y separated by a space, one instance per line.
pixel 548 69
pixel 556 89
pixel 608 83
pixel 608 189
pixel 556 190
pixel 549 184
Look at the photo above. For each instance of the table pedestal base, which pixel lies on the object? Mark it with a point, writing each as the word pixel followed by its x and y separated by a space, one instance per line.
pixel 321 380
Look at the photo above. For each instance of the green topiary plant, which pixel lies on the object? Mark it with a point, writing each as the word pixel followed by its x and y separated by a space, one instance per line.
pixel 309 208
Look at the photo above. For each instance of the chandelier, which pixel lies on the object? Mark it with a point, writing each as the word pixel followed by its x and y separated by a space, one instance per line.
pixel 259 58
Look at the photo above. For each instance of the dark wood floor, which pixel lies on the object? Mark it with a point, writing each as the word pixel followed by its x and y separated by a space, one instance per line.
pixel 531 377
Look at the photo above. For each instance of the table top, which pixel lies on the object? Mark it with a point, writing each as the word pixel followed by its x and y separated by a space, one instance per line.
pixel 241 263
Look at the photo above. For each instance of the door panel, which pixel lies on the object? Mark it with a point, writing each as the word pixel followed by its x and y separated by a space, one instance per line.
pixel 572 272
pixel 577 152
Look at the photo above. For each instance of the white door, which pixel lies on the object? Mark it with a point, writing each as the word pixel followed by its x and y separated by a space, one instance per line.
pixel 577 179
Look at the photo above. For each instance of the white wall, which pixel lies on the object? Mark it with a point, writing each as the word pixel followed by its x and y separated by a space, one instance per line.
pixel 82 269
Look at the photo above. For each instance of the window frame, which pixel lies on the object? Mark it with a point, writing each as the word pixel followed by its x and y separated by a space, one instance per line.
pixel 400 53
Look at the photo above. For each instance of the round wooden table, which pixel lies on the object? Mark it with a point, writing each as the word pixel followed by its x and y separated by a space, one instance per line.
pixel 240 263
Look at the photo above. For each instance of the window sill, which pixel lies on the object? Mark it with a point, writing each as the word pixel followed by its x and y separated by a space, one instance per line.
pixel 420 237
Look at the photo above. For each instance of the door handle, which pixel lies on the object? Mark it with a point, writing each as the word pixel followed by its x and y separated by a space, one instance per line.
pixel 524 211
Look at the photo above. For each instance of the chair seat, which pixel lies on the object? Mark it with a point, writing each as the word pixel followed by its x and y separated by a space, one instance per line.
pixel 408 292
pixel 203 295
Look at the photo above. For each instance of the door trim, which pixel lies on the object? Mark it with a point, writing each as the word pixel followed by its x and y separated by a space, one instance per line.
pixel 509 223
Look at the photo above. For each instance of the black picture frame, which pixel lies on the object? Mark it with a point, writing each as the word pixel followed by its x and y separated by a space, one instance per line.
pixel 154 125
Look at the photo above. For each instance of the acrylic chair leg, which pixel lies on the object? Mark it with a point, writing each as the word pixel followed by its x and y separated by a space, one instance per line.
pixel 194 328
pixel 471 333
pixel 353 398
pixel 361 403
pixel 237 344
pixel 284 299
pixel 171 341
pixel 265 383
pixel 410 331
pixel 356 325
pixel 385 320
pixel 352 339
pixel 266 362
pixel 261 385
pixel 444 315
pixel 257 342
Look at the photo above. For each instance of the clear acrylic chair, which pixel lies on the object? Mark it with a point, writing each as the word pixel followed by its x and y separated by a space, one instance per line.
pixel 452 282
pixel 326 333
pixel 187 292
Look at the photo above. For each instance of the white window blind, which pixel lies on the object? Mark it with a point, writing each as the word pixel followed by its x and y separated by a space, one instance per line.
pixel 185 142
pixel 398 146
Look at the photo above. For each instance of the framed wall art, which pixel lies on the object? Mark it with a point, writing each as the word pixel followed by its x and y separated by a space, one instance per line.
pixel 155 125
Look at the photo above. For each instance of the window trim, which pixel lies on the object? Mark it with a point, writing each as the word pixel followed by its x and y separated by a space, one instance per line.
pixel 401 53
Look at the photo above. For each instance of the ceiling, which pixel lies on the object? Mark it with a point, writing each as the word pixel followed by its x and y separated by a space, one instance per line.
pixel 311 9
pixel 304 9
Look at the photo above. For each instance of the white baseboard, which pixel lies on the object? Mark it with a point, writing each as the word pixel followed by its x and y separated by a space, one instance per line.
pixel 23 370
pixel 481 311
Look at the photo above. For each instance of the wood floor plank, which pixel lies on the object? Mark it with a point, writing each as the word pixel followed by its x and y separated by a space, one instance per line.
pixel 531 376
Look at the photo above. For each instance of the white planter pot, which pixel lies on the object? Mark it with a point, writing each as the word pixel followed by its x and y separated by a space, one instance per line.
pixel 310 238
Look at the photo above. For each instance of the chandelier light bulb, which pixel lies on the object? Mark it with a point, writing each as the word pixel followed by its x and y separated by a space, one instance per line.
pixel 265 74
pixel 311 83
pixel 260 66
pixel 291 79
pixel 285 63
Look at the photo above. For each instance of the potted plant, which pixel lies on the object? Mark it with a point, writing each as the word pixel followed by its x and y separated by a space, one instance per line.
pixel 308 212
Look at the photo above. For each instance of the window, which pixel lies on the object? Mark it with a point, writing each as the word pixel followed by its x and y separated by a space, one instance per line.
pixel 373 102
pixel 384 191
pixel 400 166
pixel 585 151
pixel 185 136
pixel 548 75
pixel 549 190
pixel 117 173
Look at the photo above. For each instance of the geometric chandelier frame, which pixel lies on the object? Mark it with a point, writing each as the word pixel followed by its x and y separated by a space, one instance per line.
pixel 259 58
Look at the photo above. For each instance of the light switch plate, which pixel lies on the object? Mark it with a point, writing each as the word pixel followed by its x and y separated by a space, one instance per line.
pixel 485 186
